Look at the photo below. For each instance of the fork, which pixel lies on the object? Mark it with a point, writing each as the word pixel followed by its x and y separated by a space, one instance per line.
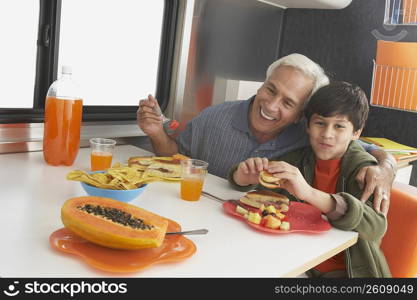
pixel 218 199
pixel 197 231
pixel 213 197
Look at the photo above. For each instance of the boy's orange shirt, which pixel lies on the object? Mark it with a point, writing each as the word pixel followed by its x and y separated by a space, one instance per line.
pixel 326 174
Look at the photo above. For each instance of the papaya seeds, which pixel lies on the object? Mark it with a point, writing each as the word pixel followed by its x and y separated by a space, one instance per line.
pixel 116 216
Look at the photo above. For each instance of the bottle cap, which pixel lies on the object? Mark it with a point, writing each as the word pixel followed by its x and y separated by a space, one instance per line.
pixel 66 69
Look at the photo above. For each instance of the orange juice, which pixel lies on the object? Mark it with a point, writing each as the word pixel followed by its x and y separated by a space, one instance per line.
pixel 191 188
pixel 62 128
pixel 100 160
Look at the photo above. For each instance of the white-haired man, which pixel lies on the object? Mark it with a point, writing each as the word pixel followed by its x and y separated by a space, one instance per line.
pixel 268 125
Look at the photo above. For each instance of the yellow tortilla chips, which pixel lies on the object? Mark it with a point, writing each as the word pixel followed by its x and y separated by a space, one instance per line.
pixel 115 178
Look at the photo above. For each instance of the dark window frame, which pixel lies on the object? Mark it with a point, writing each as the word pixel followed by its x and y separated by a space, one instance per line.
pixel 47 66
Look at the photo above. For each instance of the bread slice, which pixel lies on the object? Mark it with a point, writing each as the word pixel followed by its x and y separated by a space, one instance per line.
pixel 269 180
pixel 164 169
pixel 251 202
pixel 141 162
pixel 264 195
pixel 259 198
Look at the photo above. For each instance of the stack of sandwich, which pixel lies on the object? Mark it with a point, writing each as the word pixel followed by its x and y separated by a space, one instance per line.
pixel 264 208
pixel 269 180
pixel 156 168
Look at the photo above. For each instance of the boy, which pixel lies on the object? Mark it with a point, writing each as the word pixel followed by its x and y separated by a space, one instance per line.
pixel 323 175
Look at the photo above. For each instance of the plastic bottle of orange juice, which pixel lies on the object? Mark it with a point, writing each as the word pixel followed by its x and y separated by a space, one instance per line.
pixel 63 115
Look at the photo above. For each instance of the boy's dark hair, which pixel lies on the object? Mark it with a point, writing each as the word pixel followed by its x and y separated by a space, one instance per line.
pixel 339 98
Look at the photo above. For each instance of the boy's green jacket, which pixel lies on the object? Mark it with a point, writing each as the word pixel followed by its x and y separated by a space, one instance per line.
pixel 365 258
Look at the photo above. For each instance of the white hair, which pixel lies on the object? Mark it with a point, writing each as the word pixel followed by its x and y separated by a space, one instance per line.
pixel 305 65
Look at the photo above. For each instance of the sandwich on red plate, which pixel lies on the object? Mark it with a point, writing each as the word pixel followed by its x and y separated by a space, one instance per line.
pixel 263 197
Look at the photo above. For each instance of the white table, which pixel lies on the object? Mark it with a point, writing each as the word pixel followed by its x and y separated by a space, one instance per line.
pixel 32 194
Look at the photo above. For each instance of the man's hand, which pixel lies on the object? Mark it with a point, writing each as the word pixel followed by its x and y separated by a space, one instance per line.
pixel 376 180
pixel 148 120
pixel 248 171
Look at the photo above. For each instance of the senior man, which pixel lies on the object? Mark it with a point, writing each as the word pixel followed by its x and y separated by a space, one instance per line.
pixel 268 124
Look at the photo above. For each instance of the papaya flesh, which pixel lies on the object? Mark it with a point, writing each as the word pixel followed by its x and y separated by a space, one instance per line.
pixel 114 224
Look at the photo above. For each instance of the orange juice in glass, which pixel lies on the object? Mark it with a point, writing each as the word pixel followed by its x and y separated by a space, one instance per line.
pixel 101 153
pixel 193 172
pixel 100 160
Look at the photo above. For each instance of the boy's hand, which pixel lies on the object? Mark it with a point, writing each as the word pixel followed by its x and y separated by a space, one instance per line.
pixel 293 182
pixel 248 171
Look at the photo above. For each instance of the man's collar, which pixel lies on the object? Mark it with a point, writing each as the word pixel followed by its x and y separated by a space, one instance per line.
pixel 240 119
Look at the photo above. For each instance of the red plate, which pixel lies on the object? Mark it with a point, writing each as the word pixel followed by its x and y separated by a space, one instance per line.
pixel 301 216
pixel 174 248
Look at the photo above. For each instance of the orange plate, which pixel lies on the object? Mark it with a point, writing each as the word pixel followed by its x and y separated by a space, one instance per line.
pixel 174 248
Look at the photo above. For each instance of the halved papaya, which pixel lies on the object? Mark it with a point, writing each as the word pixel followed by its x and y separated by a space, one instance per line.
pixel 112 223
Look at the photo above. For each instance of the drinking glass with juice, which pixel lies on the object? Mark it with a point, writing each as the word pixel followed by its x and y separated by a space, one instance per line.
pixel 193 172
pixel 101 153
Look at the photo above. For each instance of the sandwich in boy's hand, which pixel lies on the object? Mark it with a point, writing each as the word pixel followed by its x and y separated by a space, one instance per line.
pixel 269 180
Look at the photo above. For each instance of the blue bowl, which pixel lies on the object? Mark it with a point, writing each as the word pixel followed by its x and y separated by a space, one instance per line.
pixel 120 195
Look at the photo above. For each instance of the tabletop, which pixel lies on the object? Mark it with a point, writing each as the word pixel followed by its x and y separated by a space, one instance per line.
pixel 32 194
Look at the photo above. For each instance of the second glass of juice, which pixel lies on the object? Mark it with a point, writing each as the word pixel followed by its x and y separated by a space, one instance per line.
pixel 193 172
pixel 101 153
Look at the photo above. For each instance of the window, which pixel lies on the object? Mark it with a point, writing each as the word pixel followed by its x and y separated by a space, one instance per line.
pixel 120 51
pixel 113 50
pixel 18 52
